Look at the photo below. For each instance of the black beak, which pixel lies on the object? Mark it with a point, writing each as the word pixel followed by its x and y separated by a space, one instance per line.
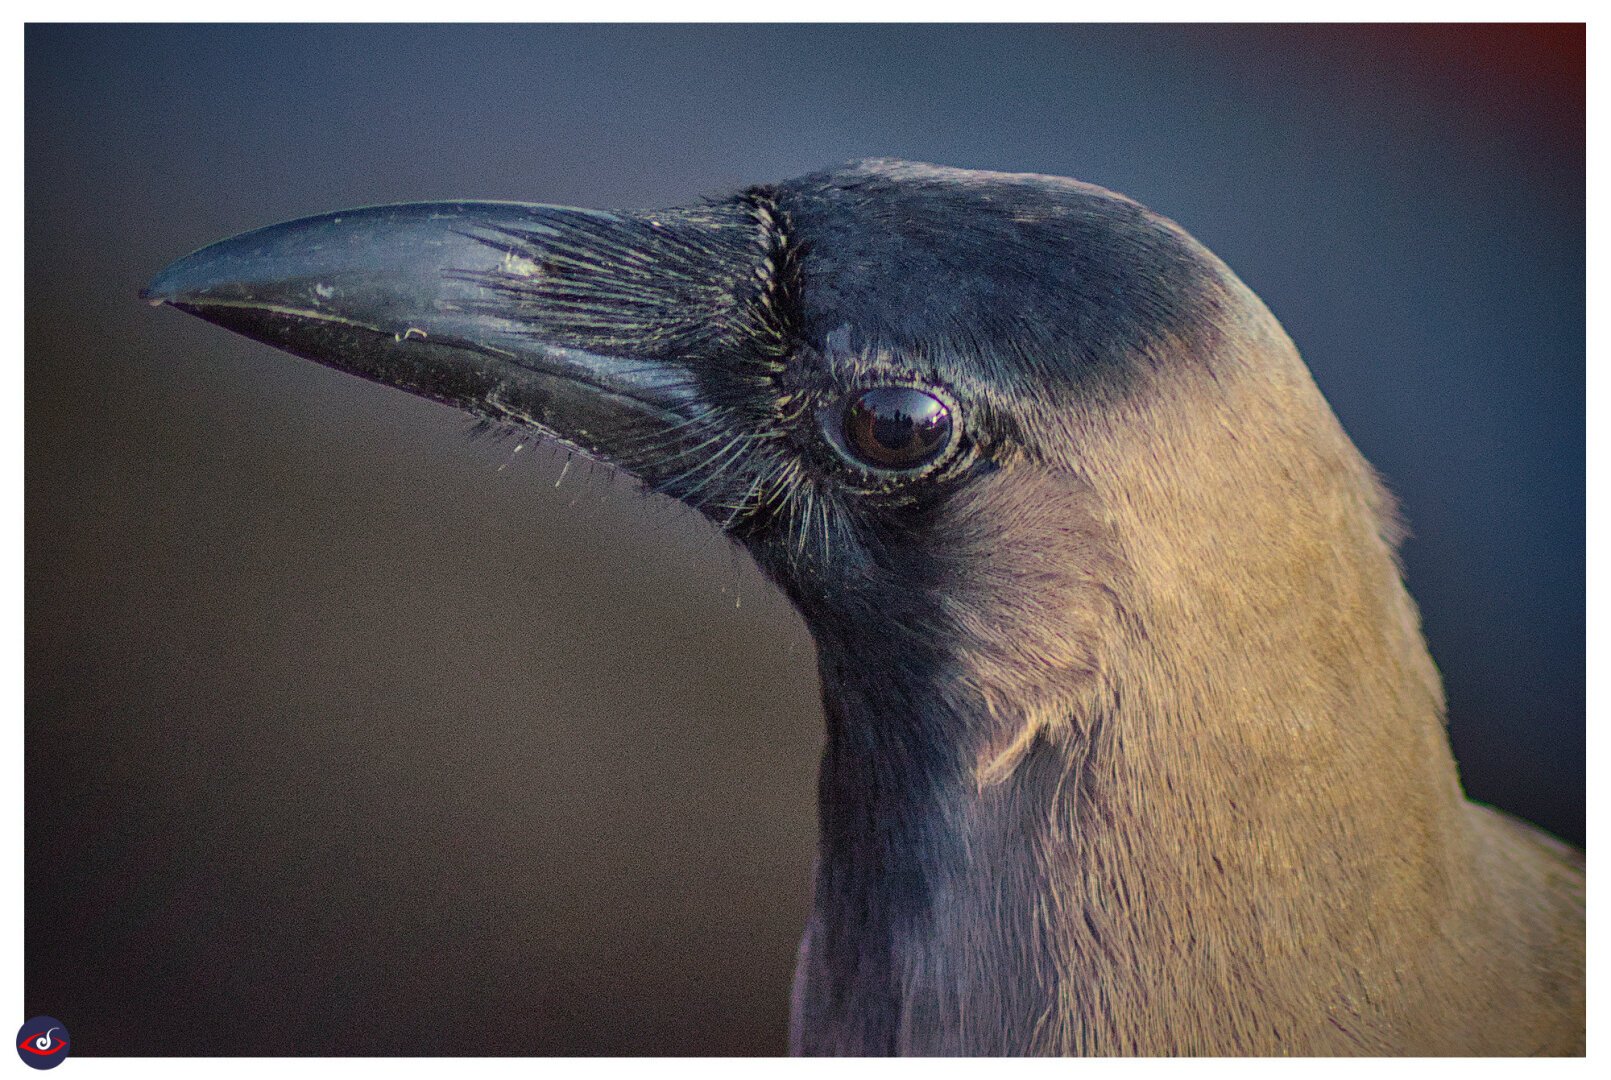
pixel 580 323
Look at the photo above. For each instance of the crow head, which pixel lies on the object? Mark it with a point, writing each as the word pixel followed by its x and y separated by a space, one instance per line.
pixel 987 431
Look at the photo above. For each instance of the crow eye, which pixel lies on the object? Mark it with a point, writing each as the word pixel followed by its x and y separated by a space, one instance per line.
pixel 896 427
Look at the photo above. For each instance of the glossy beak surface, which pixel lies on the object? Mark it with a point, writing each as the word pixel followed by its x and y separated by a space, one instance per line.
pixel 494 308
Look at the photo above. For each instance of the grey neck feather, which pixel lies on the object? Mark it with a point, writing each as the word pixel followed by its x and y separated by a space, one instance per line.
pixel 1190 794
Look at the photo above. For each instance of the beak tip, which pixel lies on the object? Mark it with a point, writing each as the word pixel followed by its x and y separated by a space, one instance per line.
pixel 212 271
pixel 165 288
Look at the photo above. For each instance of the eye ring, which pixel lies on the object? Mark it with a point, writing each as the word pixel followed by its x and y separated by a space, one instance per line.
pixel 894 429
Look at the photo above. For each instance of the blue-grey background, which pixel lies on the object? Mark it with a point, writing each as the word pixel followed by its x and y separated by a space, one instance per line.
pixel 349 734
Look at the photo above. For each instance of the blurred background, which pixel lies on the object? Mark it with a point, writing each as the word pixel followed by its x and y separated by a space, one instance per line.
pixel 350 734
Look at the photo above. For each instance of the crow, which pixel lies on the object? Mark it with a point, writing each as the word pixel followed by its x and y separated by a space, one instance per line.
pixel 1133 743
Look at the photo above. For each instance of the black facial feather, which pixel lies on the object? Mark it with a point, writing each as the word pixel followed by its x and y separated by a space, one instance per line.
pixel 713 290
pixel 682 284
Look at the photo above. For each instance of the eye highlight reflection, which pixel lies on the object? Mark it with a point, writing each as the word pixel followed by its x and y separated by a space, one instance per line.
pixel 896 427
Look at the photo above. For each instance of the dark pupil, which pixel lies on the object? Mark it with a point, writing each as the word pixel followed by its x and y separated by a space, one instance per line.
pixel 897 427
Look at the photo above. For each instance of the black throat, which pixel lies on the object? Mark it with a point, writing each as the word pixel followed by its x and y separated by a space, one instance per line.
pixel 890 783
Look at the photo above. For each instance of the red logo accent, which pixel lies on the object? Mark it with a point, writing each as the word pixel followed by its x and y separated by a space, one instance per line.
pixel 43 1043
